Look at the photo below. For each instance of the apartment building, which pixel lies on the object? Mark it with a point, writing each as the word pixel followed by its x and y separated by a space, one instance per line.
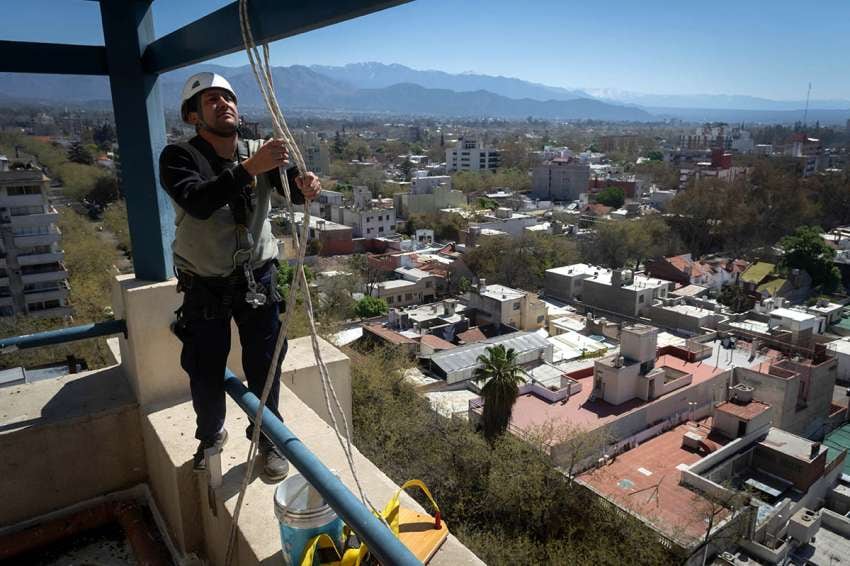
pixel 560 180
pixel 620 292
pixel 497 304
pixel 472 155
pixel 33 279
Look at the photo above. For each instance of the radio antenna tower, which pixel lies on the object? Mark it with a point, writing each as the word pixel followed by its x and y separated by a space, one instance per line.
pixel 806 111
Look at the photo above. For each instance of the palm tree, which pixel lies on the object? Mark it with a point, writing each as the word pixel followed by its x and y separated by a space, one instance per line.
pixel 500 372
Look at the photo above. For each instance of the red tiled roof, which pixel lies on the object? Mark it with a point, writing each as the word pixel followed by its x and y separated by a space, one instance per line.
pixel 390 336
pixel 746 412
pixel 436 342
pixel 471 336
pixel 597 209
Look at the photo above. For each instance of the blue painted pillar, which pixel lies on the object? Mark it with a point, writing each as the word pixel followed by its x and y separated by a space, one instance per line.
pixel 140 125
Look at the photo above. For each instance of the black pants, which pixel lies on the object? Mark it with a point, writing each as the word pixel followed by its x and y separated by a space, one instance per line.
pixel 206 345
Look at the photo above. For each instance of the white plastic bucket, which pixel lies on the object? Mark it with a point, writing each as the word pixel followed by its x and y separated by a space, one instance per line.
pixel 302 513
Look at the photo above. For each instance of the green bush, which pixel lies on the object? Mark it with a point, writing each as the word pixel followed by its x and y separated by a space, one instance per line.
pixel 368 307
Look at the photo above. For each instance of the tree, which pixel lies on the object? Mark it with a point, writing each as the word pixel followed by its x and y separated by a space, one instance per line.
pixel 78 153
pixel 105 190
pixel 520 262
pixel 335 296
pixel 285 275
pixel 367 307
pixel 734 297
pixel 806 250
pixel 104 135
pixel 406 169
pixel 621 244
pixel 614 197
pixel 500 373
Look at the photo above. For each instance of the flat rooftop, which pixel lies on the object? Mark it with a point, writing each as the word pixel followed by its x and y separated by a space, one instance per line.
pixel 501 293
pixel 395 284
pixel 790 444
pixel 645 480
pixel 792 314
pixel 746 412
pixel 531 411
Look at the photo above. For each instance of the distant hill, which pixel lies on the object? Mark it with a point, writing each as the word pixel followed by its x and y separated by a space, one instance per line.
pixel 396 89
pixel 302 88
pixel 414 99
pixel 712 101
pixel 380 75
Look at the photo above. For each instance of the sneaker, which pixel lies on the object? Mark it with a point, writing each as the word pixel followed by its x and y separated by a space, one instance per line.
pixel 276 467
pixel 199 463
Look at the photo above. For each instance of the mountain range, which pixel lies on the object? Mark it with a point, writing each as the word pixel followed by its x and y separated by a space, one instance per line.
pixel 378 88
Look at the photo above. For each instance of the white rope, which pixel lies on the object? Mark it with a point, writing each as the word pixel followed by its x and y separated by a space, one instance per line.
pixel 265 83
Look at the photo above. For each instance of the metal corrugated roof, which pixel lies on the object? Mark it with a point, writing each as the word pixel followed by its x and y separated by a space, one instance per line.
pixel 466 357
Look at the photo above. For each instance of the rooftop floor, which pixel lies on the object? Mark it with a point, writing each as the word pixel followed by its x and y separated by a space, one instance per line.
pixel 532 411
pixel 645 480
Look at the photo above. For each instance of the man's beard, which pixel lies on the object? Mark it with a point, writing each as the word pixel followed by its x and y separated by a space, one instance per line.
pixel 228 131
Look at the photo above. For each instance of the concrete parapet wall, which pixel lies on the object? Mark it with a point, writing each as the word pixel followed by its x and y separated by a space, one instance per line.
pixel 67 440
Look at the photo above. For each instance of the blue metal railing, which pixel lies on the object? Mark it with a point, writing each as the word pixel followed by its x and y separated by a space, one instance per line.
pixel 381 541
pixel 63 335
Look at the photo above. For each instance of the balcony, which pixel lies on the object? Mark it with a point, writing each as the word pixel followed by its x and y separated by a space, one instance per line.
pixel 57 274
pixel 61 291
pixel 30 241
pixel 36 259
pixel 6 301
pixel 40 219
pixel 4 281
pixel 24 200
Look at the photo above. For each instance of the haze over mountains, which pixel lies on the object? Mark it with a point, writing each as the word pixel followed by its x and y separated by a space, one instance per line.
pixel 397 89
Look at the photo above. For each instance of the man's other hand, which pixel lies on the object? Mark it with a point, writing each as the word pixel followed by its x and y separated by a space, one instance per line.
pixel 309 185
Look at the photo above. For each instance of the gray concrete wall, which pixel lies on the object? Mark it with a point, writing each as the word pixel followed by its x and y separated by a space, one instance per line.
pixel 67 440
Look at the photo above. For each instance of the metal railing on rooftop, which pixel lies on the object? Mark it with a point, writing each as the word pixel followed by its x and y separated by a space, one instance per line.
pixel 63 335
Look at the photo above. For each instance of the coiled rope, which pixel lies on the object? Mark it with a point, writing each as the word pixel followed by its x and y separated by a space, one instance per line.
pixel 263 75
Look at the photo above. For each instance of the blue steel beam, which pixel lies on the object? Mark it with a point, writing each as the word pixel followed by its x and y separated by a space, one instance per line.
pixel 54 58
pixel 219 34
pixel 381 541
pixel 140 120
pixel 63 335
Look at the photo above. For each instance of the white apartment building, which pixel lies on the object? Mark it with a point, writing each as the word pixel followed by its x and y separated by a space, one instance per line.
pixel 33 279
pixel 471 155
pixel 316 154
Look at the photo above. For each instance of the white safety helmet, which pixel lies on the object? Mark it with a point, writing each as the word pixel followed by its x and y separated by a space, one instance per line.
pixel 200 82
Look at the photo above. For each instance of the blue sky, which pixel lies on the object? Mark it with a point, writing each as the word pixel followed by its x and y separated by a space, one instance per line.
pixel 769 48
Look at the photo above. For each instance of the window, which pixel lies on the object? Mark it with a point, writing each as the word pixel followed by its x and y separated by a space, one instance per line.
pixel 390 300
pixel 380 229
pixel 428 284
pixel 25 210
pixel 516 306
pixel 540 319
pixel 641 299
pixel 20 191
pixel 408 296
pixel 368 230
pixel 380 218
pixel 30 230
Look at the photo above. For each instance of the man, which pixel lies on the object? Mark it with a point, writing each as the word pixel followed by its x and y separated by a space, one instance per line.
pixel 225 254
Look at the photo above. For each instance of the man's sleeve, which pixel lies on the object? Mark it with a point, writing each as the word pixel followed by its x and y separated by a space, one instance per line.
pixel 291 174
pixel 180 176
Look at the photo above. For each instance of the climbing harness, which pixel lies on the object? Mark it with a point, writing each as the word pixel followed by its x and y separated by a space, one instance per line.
pixel 262 73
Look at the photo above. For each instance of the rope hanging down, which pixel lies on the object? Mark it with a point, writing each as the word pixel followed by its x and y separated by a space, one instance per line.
pixel 263 75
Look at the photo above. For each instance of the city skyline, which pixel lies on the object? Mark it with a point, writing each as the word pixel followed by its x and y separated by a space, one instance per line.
pixel 734 49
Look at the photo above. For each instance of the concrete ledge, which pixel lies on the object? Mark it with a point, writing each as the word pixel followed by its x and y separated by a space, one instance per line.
pixel 66 440
pixel 259 541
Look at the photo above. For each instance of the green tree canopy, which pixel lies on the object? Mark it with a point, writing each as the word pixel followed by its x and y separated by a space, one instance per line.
pixel 78 153
pixel 368 307
pixel 499 372
pixel 611 196
pixel 805 249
